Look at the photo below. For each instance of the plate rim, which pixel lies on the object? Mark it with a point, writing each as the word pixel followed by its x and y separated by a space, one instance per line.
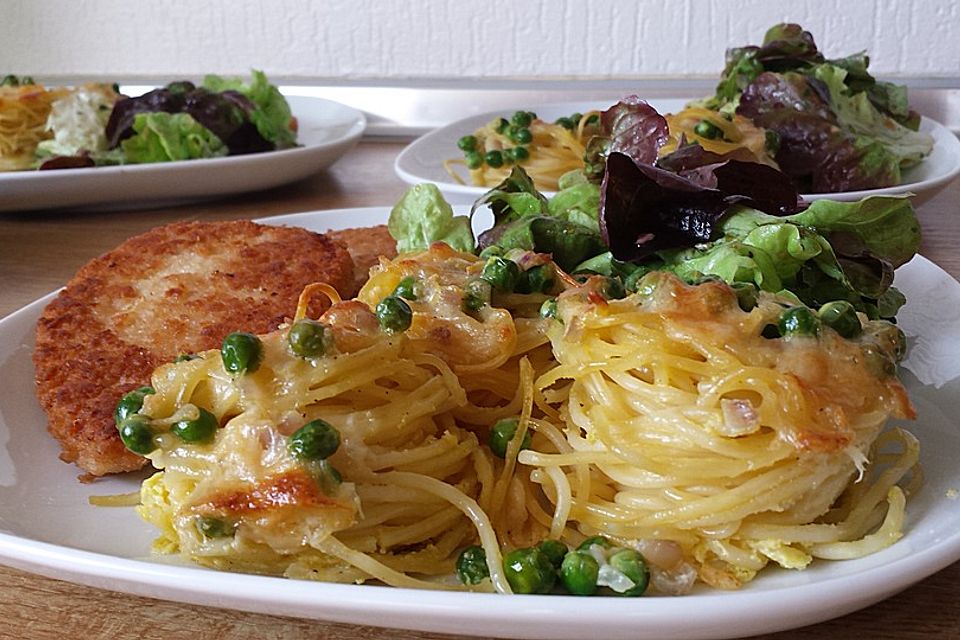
pixel 730 613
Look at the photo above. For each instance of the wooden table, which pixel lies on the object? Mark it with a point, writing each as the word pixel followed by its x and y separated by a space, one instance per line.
pixel 39 251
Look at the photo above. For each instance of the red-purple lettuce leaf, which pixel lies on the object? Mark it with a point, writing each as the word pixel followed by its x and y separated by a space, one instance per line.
pixel 631 127
pixel 785 46
pixel 645 208
pixel 226 114
pixel 814 150
pixel 736 172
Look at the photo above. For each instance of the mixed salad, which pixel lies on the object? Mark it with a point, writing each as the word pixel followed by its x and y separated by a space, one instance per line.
pixel 827 124
pixel 692 212
pixel 838 128
pixel 94 125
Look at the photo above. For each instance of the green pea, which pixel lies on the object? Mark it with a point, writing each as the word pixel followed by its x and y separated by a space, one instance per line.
pixel 502 274
pixel 492 250
pixel 708 130
pixel 841 316
pixel 494 159
pixel 554 550
pixel 215 527
pixel 472 565
pixel 406 288
pixel 538 279
pixel 200 429
pixel 325 473
pixel 477 292
pixel 529 571
pixel 137 435
pixel 394 314
pixel 771 141
pixel 316 440
pixel 331 470
pixel 746 295
pixel 507 157
pixel 549 308
pixel 516 154
pixel 308 338
pixel 131 403
pixel 593 118
pixel 566 123
pixel 522 118
pixel 579 572
pixel 520 153
pixel 523 136
pixel 635 281
pixel 500 125
pixel 878 362
pixel 631 564
pixel 241 352
pixel 594 540
pixel 612 289
pixel 467 143
pixel 798 321
pixel 889 338
pixel 502 433
pixel 473 159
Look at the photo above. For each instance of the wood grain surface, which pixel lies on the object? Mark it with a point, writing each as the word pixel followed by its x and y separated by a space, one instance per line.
pixel 40 251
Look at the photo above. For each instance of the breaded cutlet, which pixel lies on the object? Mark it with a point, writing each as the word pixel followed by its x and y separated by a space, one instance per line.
pixel 366 245
pixel 176 289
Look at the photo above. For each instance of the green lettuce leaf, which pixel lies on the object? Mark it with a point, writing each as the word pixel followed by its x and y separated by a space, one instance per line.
pixel 579 203
pixel 888 226
pixel 161 137
pixel 858 114
pixel 566 227
pixel 422 217
pixel 271 116
pixel 831 251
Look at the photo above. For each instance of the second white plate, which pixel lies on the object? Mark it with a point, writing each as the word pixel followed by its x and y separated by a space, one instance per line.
pixel 422 160
pixel 327 130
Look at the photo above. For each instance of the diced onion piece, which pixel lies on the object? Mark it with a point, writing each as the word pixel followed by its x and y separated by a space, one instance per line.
pixel 740 418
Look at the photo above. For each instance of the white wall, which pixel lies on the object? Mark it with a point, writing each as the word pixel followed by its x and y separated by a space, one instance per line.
pixel 417 39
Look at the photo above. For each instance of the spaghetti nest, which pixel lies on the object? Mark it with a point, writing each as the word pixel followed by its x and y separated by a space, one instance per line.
pixel 685 424
pixel 23 122
pixel 410 484
pixel 664 421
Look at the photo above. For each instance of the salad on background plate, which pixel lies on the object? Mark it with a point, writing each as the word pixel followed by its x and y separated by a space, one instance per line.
pixel 828 124
pixel 95 125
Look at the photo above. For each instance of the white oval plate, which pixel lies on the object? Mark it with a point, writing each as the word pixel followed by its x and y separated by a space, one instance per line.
pixel 48 527
pixel 422 160
pixel 327 130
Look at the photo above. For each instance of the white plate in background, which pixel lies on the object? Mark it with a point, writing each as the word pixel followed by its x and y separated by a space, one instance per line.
pixel 422 160
pixel 47 525
pixel 327 130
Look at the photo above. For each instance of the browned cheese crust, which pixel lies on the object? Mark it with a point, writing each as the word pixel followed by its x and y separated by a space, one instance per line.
pixel 176 289
pixel 365 245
